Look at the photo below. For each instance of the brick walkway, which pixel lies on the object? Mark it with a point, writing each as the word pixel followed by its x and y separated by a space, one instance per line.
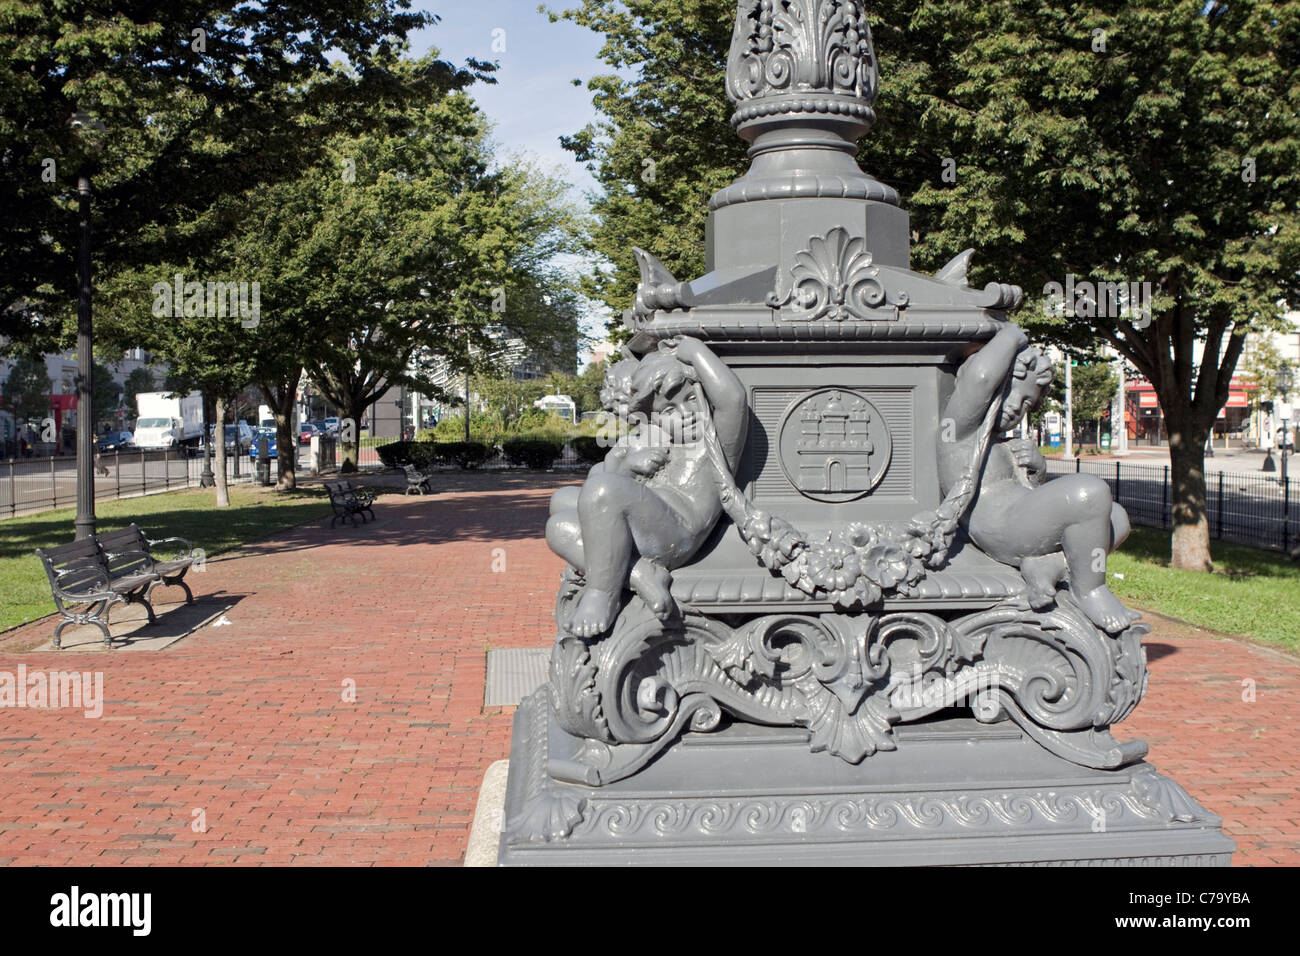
pixel 248 723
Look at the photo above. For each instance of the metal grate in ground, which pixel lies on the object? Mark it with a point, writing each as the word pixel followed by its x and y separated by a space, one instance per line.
pixel 514 673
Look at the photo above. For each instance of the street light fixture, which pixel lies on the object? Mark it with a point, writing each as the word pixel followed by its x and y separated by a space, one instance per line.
pixel 85 520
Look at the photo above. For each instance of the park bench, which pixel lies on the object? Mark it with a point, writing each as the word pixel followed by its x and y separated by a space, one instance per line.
pixel 131 550
pixel 348 501
pixel 90 576
pixel 84 588
pixel 416 480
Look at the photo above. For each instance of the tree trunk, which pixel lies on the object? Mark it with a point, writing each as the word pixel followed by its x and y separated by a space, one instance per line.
pixel 1190 544
pixel 280 401
pixel 352 412
pixel 286 443
pixel 219 436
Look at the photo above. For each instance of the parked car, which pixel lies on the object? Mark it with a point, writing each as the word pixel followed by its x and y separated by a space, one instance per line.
pixel 239 437
pixel 263 435
pixel 115 441
pixel 331 426
pixel 306 432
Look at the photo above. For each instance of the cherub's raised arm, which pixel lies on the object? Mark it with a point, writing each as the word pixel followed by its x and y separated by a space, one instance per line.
pixel 725 392
pixel 982 377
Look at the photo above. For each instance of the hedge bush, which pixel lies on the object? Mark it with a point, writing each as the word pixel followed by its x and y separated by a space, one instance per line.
pixel 588 448
pixel 532 451
pixel 422 454
pixel 395 454
pixel 464 454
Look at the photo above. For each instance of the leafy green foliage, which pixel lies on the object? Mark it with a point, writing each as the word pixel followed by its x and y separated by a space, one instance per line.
pixel 104 394
pixel 27 389
pixel 186 114
pixel 137 380
pixel 1093 386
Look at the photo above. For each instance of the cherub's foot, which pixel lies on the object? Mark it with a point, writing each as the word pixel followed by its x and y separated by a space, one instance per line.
pixel 653 584
pixel 594 613
pixel 1042 573
pixel 1105 610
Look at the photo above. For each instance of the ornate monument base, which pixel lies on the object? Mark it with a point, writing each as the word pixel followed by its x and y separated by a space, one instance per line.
pixel 954 792
pixel 818 529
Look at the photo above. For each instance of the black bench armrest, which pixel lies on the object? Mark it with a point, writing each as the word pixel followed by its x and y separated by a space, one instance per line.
pixel 186 551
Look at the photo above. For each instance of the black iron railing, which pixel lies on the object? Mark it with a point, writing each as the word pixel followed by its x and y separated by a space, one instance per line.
pixel 1256 509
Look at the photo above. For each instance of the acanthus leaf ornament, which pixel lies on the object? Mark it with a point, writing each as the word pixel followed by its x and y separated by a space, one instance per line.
pixel 802 46
pixel 834 279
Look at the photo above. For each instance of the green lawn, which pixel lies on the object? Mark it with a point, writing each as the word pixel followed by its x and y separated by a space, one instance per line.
pixel 255 512
pixel 1252 592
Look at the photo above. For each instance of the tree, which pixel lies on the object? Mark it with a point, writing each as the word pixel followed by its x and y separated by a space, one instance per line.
pixel 1093 386
pixel 506 396
pixel 404 246
pixel 266 238
pixel 1150 142
pixel 104 395
pixel 27 389
pixel 138 380
pixel 195 96
pixel 587 390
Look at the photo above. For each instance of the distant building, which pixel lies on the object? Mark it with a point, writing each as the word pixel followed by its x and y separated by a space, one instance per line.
pixel 601 352
pixel 61 368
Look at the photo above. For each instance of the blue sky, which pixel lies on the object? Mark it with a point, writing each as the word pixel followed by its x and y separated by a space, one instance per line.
pixel 533 102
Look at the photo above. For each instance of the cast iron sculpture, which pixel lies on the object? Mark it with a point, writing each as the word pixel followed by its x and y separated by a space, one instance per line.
pixel 809 518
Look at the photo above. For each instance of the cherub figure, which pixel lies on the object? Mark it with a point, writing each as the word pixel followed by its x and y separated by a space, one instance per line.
pixel 1059 529
pixel 648 507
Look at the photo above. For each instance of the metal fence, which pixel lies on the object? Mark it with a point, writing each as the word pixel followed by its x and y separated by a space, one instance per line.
pixel 1254 509
pixel 30 485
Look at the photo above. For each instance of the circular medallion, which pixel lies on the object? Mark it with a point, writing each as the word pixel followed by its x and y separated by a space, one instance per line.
pixel 834 445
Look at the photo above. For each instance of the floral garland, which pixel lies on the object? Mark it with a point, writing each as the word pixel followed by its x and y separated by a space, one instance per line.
pixel 856 565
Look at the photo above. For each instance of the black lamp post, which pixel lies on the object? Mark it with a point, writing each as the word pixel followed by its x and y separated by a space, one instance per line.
pixel 85 520
pixel 1284 381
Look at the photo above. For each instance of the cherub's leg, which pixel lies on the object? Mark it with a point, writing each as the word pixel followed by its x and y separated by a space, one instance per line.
pixel 565 499
pixel 564 535
pixel 652 582
pixel 1042 572
pixel 1119 526
pixel 1072 514
pixel 609 508
pixel 1086 542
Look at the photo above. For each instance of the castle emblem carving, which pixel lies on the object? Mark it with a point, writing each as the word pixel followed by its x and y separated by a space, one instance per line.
pixel 835 445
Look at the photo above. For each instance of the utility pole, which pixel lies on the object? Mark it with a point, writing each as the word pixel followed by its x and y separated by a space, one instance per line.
pixel 1068 426
pixel 1120 444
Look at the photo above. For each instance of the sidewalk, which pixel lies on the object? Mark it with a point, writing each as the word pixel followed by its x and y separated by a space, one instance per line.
pixel 245 728
pixel 1232 461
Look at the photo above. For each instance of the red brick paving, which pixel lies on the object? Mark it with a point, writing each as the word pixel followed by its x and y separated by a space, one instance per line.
pixel 248 724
